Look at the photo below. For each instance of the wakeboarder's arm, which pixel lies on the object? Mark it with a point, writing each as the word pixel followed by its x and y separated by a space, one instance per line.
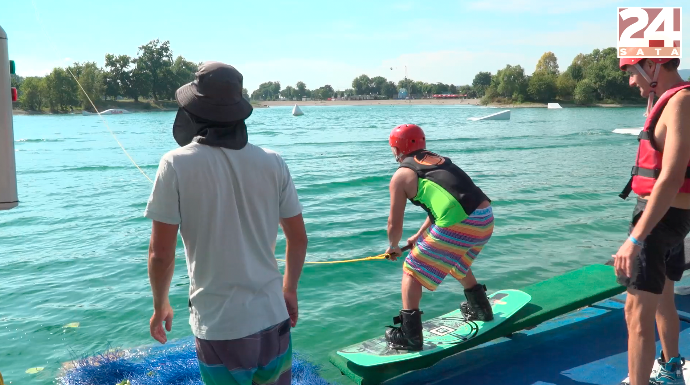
pixel 673 166
pixel 397 210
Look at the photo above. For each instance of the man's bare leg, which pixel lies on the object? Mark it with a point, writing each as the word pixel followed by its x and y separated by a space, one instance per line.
pixel 640 309
pixel 411 292
pixel 667 322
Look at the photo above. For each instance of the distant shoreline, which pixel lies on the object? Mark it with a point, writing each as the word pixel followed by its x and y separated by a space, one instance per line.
pixel 435 102
pixel 134 108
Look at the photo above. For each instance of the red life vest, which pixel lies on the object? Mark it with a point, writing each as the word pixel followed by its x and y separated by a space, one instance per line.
pixel 648 163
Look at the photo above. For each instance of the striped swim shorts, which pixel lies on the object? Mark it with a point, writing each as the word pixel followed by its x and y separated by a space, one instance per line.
pixel 263 358
pixel 443 250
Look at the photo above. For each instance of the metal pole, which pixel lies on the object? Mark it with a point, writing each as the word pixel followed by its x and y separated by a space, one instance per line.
pixel 8 169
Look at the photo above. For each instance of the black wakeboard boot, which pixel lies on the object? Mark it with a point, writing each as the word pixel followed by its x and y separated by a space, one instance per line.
pixel 477 306
pixel 409 335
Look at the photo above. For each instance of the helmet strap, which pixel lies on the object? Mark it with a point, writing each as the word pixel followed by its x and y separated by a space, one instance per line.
pixel 652 84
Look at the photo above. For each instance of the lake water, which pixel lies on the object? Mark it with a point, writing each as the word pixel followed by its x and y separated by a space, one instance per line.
pixel 75 249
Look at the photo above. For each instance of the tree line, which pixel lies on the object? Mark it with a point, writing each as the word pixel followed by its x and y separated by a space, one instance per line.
pixel 153 74
pixel 590 78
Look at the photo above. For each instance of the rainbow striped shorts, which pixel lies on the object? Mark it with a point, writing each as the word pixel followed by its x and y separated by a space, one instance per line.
pixel 263 358
pixel 453 249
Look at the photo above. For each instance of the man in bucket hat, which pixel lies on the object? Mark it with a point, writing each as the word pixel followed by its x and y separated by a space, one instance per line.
pixel 227 197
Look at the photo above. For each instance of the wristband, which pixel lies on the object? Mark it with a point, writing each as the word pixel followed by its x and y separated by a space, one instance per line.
pixel 635 241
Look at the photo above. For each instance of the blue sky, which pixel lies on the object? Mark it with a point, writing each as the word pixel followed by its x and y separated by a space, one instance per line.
pixel 319 42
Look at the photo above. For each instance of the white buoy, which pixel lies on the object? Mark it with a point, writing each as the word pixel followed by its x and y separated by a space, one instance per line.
pixel 628 131
pixel 503 115
pixel 8 169
pixel 554 105
pixel 296 111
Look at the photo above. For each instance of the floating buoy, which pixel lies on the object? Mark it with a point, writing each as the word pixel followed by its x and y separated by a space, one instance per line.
pixel 296 111
pixel 503 115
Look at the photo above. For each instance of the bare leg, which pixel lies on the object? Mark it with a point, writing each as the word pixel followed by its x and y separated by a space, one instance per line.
pixel 640 308
pixel 411 292
pixel 469 281
pixel 667 322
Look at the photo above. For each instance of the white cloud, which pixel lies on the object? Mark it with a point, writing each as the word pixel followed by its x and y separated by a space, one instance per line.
pixel 540 6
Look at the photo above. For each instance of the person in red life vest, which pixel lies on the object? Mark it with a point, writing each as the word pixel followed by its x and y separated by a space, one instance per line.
pixel 652 257
pixel 459 224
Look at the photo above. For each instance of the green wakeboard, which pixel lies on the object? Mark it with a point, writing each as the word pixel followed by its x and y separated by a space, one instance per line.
pixel 440 333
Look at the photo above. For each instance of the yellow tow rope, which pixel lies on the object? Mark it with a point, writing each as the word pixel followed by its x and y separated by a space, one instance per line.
pixel 375 257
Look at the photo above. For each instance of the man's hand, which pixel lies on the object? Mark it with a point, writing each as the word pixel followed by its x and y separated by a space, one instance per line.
pixel 623 260
pixel 413 239
pixel 291 304
pixel 393 252
pixel 156 323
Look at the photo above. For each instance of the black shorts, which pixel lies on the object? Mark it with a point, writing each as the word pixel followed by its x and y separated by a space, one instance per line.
pixel 663 253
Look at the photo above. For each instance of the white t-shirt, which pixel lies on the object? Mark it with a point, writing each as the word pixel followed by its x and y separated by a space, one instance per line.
pixel 228 204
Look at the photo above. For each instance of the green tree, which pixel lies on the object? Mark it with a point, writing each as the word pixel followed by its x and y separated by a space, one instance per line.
pixel 548 63
pixel 267 91
pixel 481 82
pixel 565 85
pixel 245 93
pixel 377 83
pixel 62 90
pixel 33 94
pixel 585 92
pixel 389 90
pixel 362 85
pixel 511 82
pixel 16 82
pixel 453 89
pixel 439 88
pixel 90 78
pixel 289 93
pixel 155 61
pixel 542 86
pixel 117 78
pixel 301 90
pixel 324 92
pixel 183 72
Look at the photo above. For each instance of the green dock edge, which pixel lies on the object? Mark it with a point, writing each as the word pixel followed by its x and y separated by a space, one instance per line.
pixel 550 298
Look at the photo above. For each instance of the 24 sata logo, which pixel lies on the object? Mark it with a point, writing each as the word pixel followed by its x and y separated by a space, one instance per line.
pixel 649 32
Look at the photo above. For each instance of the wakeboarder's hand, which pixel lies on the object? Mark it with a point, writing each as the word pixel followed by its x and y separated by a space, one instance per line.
pixel 156 323
pixel 623 260
pixel 291 304
pixel 393 253
pixel 412 240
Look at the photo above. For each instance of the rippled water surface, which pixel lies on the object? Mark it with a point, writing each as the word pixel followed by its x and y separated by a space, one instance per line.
pixel 75 249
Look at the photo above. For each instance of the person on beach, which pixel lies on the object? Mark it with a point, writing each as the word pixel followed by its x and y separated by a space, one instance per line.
pixel 227 197
pixel 459 224
pixel 652 257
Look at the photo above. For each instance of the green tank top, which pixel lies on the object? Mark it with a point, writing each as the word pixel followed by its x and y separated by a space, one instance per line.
pixel 444 191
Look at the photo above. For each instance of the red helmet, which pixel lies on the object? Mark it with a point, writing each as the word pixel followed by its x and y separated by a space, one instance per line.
pixel 632 61
pixel 407 138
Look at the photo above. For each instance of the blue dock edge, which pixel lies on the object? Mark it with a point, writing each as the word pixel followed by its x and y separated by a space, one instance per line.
pixel 588 346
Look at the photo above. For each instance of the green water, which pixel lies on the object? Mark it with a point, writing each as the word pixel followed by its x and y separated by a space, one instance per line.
pixel 75 249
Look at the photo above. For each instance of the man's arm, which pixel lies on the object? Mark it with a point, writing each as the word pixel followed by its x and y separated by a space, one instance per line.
pixel 295 250
pixel 425 225
pixel 161 261
pixel 295 253
pixel 397 210
pixel 674 163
